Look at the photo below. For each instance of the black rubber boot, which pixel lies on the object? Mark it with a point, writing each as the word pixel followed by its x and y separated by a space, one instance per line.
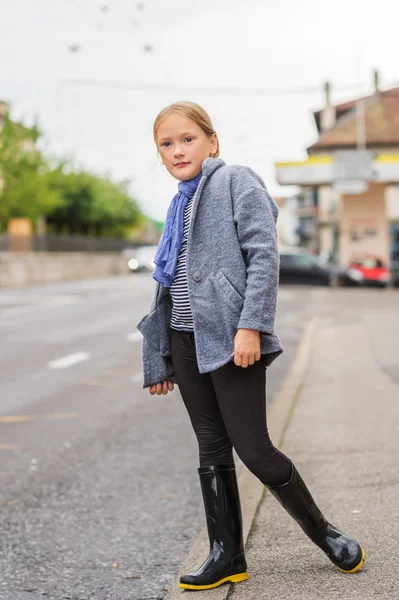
pixel 226 560
pixel 343 551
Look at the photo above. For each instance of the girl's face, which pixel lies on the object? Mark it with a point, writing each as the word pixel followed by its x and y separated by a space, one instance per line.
pixel 184 146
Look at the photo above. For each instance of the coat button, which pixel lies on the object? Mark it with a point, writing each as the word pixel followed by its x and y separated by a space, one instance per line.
pixel 197 276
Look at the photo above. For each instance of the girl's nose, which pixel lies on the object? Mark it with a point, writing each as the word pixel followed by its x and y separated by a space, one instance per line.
pixel 178 151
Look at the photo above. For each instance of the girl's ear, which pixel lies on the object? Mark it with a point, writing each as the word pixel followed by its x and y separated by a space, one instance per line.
pixel 214 141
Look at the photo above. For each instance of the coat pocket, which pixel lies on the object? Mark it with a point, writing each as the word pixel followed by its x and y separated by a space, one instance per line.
pixel 229 291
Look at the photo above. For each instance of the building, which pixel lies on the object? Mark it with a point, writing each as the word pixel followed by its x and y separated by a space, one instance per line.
pixel 287 222
pixel 3 115
pixel 349 198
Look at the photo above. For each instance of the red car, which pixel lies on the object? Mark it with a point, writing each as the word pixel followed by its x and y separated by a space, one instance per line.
pixel 369 269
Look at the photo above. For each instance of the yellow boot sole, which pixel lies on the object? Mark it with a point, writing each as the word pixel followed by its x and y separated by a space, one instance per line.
pixel 231 579
pixel 358 567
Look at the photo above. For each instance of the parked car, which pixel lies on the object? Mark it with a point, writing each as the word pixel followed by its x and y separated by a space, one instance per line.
pixel 141 258
pixel 298 266
pixel 395 273
pixel 370 270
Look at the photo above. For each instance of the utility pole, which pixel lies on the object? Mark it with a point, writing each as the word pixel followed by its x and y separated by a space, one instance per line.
pixel 361 141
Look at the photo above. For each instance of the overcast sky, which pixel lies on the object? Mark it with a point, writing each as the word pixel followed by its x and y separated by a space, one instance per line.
pixel 224 43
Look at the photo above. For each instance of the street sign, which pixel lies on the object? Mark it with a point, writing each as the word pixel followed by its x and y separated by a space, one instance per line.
pixel 353 165
pixel 350 187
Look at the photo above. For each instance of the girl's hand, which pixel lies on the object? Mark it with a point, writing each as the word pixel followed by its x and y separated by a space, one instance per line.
pixel 246 347
pixel 162 388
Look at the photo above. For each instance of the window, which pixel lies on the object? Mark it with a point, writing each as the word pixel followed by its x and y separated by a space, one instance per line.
pixel 298 261
pixel 369 262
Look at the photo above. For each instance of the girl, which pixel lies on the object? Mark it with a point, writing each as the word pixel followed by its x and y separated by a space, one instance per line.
pixel 210 329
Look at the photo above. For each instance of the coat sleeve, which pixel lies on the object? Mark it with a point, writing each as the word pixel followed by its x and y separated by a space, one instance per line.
pixel 156 368
pixel 255 216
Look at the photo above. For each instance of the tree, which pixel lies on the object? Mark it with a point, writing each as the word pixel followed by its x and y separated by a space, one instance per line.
pixel 24 186
pixel 32 185
pixel 91 204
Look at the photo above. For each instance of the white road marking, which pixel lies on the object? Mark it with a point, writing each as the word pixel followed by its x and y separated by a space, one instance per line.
pixel 30 306
pixel 68 360
pixel 136 336
pixel 10 299
pixel 137 378
pixel 62 300
pixel 21 310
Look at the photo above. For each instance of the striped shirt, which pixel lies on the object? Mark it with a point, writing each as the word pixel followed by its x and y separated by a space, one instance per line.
pixel 182 318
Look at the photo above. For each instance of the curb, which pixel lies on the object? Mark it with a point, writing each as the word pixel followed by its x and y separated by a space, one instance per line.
pixel 251 489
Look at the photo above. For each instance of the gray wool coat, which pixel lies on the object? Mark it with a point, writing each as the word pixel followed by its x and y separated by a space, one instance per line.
pixel 232 270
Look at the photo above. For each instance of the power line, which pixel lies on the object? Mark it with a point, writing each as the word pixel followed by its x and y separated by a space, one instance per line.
pixel 133 23
pixel 146 46
pixel 78 7
pixel 230 91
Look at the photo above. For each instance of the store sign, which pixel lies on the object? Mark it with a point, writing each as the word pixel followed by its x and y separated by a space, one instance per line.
pixel 353 165
pixel 340 166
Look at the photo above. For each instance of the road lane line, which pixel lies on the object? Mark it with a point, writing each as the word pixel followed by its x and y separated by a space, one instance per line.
pixel 61 415
pixel 68 360
pixel 30 307
pixel 35 299
pixel 136 336
pixel 26 418
pixel 21 310
pixel 16 419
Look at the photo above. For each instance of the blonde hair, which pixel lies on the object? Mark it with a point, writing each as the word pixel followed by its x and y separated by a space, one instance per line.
pixel 189 110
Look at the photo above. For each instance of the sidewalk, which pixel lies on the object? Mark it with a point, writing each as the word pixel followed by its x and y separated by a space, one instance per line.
pixel 343 435
pixel 337 417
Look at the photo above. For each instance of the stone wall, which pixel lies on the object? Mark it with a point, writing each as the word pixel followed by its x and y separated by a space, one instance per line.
pixel 35 268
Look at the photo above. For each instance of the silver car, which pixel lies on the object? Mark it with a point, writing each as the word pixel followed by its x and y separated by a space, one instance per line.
pixel 140 258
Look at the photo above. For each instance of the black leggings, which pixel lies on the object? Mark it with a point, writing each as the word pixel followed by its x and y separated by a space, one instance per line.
pixel 227 408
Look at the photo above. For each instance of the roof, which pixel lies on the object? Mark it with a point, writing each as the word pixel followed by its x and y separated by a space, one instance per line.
pixel 381 119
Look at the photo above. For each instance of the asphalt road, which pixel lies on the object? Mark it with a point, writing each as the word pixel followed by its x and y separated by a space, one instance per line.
pixel 99 496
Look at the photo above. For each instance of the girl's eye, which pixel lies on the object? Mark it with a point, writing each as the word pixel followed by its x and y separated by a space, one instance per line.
pixel 167 144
